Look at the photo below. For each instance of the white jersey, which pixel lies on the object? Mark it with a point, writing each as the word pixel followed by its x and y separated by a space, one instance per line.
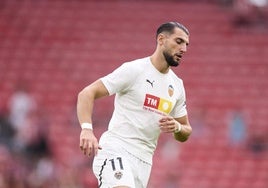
pixel 143 96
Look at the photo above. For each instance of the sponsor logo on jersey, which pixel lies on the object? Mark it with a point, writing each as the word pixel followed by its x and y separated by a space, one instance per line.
pixel 157 103
pixel 150 82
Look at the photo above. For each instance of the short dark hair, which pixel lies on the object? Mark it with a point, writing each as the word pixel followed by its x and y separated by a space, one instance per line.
pixel 169 27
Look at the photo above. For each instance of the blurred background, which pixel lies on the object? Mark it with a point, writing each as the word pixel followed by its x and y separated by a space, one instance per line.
pixel 51 49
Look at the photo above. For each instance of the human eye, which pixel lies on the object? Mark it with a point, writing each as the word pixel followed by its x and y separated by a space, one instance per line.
pixel 179 41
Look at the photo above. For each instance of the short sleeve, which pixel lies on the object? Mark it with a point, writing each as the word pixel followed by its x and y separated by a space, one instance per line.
pixel 120 79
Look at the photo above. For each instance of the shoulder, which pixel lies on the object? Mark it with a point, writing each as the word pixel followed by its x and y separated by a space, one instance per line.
pixel 175 77
pixel 131 69
pixel 124 76
pixel 137 65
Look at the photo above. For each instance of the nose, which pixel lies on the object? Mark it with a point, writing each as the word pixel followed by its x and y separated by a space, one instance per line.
pixel 183 48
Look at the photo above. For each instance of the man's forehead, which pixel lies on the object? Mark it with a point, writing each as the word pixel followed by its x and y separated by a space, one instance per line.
pixel 179 33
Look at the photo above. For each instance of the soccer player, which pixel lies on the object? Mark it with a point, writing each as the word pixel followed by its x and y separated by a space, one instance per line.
pixel 149 99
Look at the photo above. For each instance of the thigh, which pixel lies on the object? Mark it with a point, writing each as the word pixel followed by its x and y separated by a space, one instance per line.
pixel 141 171
pixel 144 175
pixel 112 169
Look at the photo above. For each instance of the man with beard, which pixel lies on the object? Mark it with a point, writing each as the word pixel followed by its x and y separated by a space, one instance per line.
pixel 149 99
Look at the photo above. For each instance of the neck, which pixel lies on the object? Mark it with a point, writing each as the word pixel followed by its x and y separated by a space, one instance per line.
pixel 159 63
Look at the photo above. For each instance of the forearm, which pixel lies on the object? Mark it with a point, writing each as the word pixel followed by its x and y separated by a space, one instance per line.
pixel 184 133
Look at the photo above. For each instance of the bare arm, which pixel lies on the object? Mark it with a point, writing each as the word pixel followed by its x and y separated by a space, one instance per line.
pixel 186 130
pixel 86 100
pixel 85 103
pixel 169 124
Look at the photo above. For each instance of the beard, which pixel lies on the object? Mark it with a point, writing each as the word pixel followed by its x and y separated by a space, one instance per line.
pixel 170 60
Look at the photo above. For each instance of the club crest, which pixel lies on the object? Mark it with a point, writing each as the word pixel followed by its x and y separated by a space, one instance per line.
pixel 118 175
pixel 170 90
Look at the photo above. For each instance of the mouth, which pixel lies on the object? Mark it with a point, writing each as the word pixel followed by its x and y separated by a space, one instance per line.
pixel 178 57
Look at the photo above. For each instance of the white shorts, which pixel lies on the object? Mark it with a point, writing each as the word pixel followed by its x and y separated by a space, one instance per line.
pixel 116 167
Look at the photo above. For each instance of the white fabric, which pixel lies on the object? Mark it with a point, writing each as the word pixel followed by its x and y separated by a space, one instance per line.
pixel 143 96
pixel 116 167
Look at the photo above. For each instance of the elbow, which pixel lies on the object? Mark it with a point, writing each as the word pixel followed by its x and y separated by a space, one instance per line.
pixel 86 92
pixel 80 95
pixel 83 94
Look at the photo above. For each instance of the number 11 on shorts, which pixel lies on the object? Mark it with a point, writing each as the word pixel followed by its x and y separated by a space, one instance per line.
pixel 119 160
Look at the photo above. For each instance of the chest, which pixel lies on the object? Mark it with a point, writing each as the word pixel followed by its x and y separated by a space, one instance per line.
pixel 155 92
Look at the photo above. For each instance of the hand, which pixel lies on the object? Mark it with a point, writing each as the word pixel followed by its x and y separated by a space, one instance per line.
pixel 168 124
pixel 88 142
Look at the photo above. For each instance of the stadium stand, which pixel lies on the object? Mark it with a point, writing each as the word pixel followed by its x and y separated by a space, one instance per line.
pixel 58 47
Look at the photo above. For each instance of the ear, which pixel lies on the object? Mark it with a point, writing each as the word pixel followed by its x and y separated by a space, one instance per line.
pixel 161 38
